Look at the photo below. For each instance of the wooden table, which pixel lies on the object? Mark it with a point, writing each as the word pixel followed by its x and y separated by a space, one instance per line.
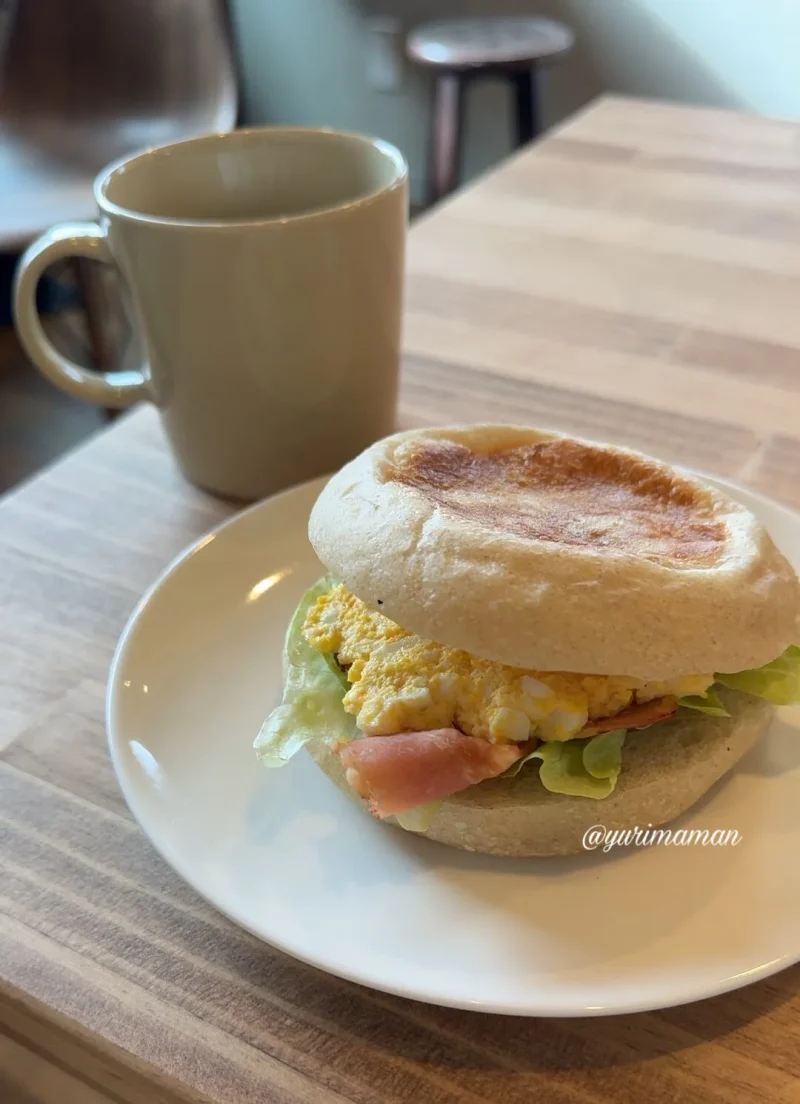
pixel 636 277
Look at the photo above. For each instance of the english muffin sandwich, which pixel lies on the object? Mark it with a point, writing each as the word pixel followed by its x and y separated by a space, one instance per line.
pixel 523 634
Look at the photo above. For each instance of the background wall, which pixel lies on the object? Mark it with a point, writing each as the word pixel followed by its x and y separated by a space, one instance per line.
pixel 303 62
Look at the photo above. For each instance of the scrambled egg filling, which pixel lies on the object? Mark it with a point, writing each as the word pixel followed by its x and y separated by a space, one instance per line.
pixel 400 682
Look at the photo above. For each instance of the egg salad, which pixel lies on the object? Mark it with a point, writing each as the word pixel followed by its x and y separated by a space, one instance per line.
pixel 401 682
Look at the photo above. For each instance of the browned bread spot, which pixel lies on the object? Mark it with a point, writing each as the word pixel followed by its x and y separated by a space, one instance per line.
pixel 568 492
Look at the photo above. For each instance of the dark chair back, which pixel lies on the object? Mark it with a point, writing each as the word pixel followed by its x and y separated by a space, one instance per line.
pixel 90 80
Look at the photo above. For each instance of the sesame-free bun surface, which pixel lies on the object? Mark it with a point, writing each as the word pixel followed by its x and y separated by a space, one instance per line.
pixel 665 770
pixel 556 554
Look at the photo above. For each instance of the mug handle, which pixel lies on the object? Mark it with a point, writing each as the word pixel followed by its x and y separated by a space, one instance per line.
pixel 72 239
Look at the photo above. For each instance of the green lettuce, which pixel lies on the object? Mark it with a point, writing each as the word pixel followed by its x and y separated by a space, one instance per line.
pixel 778 682
pixel 312 695
pixel 708 703
pixel 580 768
pixel 419 819
pixel 602 755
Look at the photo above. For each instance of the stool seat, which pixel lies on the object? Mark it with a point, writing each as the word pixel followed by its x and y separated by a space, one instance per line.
pixel 496 42
pixel 460 52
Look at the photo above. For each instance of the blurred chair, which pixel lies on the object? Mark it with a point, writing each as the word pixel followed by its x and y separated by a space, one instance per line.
pixel 461 51
pixel 83 82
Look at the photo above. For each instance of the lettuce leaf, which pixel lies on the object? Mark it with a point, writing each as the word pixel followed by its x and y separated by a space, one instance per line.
pixel 778 682
pixel 420 818
pixel 602 755
pixel 330 659
pixel 708 703
pixel 580 768
pixel 312 695
pixel 515 768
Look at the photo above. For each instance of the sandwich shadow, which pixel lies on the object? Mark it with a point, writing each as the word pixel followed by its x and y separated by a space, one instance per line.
pixel 780 752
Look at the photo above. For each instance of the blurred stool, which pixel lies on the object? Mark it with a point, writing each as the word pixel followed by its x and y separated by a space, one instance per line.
pixel 460 51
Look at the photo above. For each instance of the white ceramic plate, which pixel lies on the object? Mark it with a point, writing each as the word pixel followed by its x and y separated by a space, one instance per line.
pixel 285 855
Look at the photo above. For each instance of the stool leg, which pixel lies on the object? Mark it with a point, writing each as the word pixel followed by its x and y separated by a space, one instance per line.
pixel 448 126
pixel 527 112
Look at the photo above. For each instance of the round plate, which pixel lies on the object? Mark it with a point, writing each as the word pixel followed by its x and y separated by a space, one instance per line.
pixel 286 856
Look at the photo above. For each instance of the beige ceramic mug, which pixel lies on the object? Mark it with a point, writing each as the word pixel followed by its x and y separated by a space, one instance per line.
pixel 266 270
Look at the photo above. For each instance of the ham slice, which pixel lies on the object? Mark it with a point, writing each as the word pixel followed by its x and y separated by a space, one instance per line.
pixel 400 772
pixel 635 716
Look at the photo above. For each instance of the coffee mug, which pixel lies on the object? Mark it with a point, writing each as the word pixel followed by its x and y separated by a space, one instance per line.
pixel 265 268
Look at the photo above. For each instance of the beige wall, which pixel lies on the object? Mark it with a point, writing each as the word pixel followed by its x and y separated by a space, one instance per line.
pixel 303 63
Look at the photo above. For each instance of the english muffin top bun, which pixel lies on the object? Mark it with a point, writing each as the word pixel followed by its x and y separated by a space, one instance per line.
pixel 547 552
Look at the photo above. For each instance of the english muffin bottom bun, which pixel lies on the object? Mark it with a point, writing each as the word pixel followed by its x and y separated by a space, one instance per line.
pixel 524 634
pixel 666 769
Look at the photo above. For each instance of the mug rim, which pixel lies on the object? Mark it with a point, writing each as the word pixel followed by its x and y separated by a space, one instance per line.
pixel 116 210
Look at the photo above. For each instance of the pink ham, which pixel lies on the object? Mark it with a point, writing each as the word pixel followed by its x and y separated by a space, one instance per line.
pixel 400 772
pixel 635 716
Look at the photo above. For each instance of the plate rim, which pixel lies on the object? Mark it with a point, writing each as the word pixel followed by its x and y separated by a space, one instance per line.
pixel 528 1008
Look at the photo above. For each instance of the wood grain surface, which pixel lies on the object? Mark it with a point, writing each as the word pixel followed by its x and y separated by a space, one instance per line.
pixel 635 277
